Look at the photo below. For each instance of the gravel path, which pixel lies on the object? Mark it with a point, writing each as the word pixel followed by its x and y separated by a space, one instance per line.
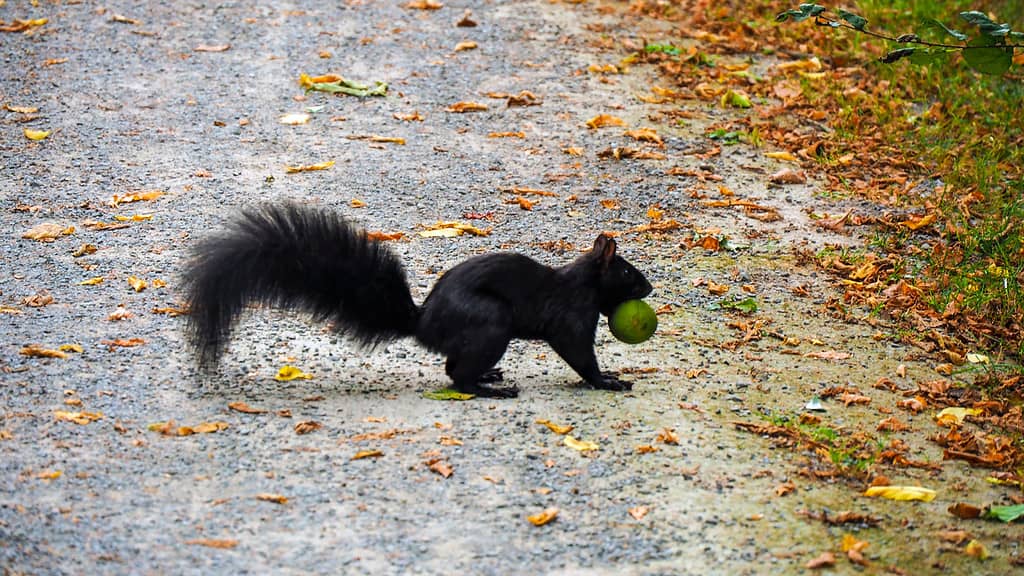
pixel 186 98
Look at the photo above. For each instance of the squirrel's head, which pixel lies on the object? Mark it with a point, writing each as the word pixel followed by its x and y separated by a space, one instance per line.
pixel 619 280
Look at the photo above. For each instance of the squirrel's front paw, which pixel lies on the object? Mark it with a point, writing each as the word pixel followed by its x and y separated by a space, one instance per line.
pixel 611 381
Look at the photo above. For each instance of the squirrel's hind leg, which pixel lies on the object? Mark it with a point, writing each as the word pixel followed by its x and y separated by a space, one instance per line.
pixel 471 368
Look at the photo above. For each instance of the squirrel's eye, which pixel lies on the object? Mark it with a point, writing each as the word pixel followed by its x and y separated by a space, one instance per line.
pixel 625 272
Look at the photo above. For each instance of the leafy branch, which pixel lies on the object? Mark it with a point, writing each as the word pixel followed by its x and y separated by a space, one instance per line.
pixel 989 51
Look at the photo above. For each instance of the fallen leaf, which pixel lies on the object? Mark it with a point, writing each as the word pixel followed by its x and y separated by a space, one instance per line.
pixel 441 467
pixel 964 510
pixel 49 475
pixel 462 107
pixel 977 550
pixel 542 518
pixel 123 343
pixel 36 134
pixel 212 48
pixel 825 560
pixel 309 167
pixel 36 351
pixel 788 176
pixel 81 418
pixel 288 373
pixel 448 394
pixel 668 436
pixel 307 427
pixel 604 120
pixel 828 355
pixel 275 498
pixel 409 117
pixel 137 284
pixel 294 118
pixel 646 449
pixel 902 493
pixel 245 408
pixel 424 5
pixel 556 428
pixel 467 45
pixel 638 512
pixel 953 415
pixel 48 232
pixel 92 281
pixel 580 445
pixel 224 544
pixel 367 454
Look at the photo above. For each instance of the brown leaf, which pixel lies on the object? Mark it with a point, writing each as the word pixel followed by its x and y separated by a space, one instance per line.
pixel 668 436
pixel 965 511
pixel 307 427
pixel 442 467
pixel 245 408
pixel 828 355
pixel 788 176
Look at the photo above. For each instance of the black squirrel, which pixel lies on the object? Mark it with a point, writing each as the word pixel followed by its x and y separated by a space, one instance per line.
pixel 316 261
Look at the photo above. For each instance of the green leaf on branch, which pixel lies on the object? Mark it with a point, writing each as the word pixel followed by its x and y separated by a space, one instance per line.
pixel 858 22
pixel 931 24
pixel 986 58
pixel 1005 513
pixel 925 56
pixel 806 11
pixel 985 24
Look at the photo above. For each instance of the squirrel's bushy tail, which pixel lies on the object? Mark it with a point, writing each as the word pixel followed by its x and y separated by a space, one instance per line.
pixel 302 259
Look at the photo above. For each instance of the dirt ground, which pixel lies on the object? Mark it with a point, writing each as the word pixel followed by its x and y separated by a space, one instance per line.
pixel 186 98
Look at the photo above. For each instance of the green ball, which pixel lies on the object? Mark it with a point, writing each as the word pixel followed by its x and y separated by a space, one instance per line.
pixel 633 321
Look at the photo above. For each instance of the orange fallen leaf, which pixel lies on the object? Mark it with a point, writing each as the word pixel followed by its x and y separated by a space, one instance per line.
pixel 36 351
pixel 309 167
pixel 245 408
pixel 542 518
pixel 825 560
pixel 224 544
pixel 385 236
pixel 275 498
pixel 604 120
pixel 638 512
pixel 81 418
pixel 467 45
pixel 462 107
pixel 828 355
pixel 137 284
pixel 374 453
pixel 556 428
pixel 441 467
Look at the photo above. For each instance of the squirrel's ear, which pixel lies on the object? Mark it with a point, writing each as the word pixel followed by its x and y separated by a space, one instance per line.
pixel 604 247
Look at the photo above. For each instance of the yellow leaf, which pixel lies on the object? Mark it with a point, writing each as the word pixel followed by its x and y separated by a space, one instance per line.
pixel 133 218
pixel 783 156
pixel 294 118
pixel 78 417
pixel 452 229
pixel 287 373
pixel 136 197
pixel 556 428
pixel 955 415
pixel 644 135
pixel 367 454
pixel 91 281
pixel 542 518
pixel 902 493
pixel 357 203
pixel 49 475
pixel 309 167
pixel 603 120
pixel 638 512
pixel 812 65
pixel 581 445
pixel 975 358
pixel 469 45
pixel 36 351
pixel 71 348
pixel 209 427
pixel 36 134
pixel 47 232
pixel 158 283
pixel 137 284
pixel 977 550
